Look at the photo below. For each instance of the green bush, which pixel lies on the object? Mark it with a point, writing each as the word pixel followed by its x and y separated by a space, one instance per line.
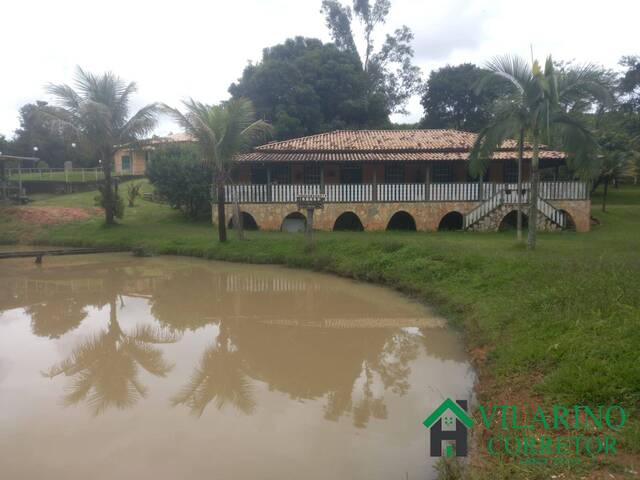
pixel 177 174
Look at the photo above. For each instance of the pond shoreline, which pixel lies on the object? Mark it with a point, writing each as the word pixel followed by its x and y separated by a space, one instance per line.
pixel 557 324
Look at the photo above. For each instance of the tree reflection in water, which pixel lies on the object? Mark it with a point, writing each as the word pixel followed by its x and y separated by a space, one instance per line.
pixel 220 377
pixel 105 367
pixel 307 336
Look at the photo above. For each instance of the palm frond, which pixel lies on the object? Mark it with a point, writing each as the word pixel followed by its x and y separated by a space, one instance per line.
pixel 141 123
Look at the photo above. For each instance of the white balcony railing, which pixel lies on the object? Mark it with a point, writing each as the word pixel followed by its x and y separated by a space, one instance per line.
pixel 406 192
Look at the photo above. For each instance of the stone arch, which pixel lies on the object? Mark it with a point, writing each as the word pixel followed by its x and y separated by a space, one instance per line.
pixel 348 221
pixel 510 221
pixel 248 222
pixel 451 221
pixel 402 220
pixel 570 224
pixel 294 222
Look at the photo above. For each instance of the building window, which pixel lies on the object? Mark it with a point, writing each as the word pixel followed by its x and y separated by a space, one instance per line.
pixel 312 173
pixel 393 173
pixel 258 174
pixel 281 174
pixel 442 172
pixel 510 171
pixel 351 174
pixel 147 158
pixel 125 163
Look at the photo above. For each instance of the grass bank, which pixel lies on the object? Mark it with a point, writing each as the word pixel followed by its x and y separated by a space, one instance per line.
pixel 561 324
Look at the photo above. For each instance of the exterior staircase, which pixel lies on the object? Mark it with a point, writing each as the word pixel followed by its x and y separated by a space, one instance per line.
pixel 506 198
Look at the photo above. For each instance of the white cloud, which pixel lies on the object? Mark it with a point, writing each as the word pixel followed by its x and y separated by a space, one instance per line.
pixel 194 48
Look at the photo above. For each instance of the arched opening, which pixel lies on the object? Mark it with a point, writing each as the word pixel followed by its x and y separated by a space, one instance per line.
pixel 348 221
pixel 510 221
pixel 401 221
pixel 248 222
pixel 451 221
pixel 294 222
pixel 570 224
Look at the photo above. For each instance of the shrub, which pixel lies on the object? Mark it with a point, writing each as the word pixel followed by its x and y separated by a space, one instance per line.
pixel 133 192
pixel 177 174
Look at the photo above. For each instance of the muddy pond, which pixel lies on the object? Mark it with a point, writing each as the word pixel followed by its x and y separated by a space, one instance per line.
pixel 172 368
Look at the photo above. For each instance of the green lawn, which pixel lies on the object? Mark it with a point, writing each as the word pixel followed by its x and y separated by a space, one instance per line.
pixel 561 323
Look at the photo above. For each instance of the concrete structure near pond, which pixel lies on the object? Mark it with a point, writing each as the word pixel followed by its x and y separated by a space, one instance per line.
pixel 399 179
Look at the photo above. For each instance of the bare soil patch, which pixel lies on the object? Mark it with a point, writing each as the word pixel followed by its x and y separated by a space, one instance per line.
pixel 50 215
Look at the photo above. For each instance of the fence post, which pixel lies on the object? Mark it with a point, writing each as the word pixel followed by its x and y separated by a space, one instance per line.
pixel 374 193
pixel 427 182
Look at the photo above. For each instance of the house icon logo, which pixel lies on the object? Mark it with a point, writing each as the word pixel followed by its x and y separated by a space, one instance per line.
pixel 449 412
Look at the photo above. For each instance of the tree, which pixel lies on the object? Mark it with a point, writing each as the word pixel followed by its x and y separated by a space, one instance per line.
pixel 304 87
pixel 54 144
pixel 536 105
pixel 629 87
pixel 97 112
pixel 451 99
pixel 178 176
pixel 221 132
pixel 390 72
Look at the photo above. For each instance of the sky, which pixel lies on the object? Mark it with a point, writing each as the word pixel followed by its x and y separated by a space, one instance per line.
pixel 174 50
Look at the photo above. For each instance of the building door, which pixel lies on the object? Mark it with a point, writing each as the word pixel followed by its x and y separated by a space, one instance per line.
pixel 126 163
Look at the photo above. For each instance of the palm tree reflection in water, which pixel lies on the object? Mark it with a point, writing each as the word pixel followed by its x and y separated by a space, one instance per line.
pixel 221 376
pixel 105 367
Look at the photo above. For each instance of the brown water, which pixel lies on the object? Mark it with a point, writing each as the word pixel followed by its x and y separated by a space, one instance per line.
pixel 113 367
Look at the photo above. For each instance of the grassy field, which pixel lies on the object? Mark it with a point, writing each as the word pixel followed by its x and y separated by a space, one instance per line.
pixel 561 324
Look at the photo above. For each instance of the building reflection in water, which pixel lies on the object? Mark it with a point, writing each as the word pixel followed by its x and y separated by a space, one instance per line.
pixel 305 335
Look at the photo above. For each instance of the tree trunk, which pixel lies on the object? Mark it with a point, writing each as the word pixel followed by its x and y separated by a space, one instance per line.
pixel 604 195
pixel 309 227
pixel 237 220
pixel 533 206
pixel 520 155
pixel 107 193
pixel 222 226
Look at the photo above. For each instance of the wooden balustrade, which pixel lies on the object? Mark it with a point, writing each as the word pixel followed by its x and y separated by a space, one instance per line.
pixel 406 192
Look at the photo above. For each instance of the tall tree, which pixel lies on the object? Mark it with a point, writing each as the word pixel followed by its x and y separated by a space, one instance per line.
pixel 451 100
pixel 221 131
pixel 97 112
pixel 536 105
pixel 390 71
pixel 629 87
pixel 55 145
pixel 304 87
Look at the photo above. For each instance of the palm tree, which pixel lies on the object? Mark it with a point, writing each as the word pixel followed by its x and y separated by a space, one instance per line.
pixel 536 108
pixel 97 112
pixel 222 131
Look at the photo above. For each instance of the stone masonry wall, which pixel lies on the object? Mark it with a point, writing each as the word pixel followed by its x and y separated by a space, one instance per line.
pixel 376 216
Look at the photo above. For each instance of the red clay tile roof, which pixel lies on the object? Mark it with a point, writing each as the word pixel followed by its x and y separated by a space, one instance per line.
pixel 381 145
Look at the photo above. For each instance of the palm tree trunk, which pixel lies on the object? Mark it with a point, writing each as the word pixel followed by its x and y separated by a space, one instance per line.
pixel 238 220
pixel 222 225
pixel 520 155
pixel 107 194
pixel 533 206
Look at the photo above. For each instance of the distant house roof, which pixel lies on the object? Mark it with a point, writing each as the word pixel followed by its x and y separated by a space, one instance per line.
pixel 382 145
